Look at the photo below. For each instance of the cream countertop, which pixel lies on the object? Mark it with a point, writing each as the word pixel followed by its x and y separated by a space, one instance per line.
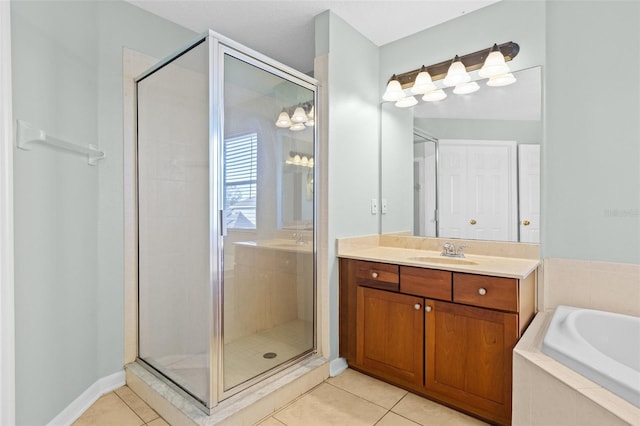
pixel 508 267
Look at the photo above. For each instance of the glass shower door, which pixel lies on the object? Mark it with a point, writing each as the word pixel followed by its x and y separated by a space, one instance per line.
pixel 174 281
pixel 267 195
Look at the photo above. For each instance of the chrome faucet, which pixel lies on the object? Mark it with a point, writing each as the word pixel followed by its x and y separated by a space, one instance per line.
pixel 449 250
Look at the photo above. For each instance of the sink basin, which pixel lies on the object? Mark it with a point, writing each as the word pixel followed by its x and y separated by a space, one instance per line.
pixel 443 260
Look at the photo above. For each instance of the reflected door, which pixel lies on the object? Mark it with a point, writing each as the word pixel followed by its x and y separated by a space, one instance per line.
pixel 267 194
pixel 476 192
pixel 529 191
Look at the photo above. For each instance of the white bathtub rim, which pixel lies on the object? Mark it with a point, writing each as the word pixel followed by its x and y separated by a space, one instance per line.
pixel 621 380
pixel 528 349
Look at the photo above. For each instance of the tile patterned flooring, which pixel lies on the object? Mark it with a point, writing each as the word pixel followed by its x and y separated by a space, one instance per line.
pixel 348 399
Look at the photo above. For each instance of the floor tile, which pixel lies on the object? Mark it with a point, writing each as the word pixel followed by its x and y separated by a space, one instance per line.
pixel 158 422
pixel 109 410
pixel 392 419
pixel 329 405
pixel 429 413
pixel 270 421
pixel 134 402
pixel 366 387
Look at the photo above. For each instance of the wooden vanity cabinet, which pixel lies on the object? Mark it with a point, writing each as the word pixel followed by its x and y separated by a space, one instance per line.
pixel 468 358
pixel 445 335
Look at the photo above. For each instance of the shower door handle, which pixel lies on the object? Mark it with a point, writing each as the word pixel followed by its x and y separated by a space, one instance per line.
pixel 223 224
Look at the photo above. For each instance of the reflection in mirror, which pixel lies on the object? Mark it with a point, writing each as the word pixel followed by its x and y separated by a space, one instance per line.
pixel 475 167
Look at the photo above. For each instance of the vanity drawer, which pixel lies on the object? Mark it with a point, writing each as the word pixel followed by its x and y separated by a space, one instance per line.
pixel 430 283
pixel 487 292
pixel 378 275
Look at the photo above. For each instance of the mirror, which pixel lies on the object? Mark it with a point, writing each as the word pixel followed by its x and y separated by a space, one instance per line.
pixel 467 166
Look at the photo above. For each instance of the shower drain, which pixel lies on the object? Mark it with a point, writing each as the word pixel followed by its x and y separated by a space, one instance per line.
pixel 270 355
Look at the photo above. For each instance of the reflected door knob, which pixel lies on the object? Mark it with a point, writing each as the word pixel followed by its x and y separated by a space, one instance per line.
pixel 417 306
pixel 374 275
pixel 526 223
pixel 473 221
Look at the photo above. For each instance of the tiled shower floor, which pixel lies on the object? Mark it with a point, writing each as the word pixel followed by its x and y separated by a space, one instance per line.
pixel 244 357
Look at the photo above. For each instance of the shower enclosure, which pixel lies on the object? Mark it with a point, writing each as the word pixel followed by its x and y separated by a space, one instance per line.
pixel 226 146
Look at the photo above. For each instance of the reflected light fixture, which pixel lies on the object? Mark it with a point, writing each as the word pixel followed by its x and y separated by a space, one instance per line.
pixel 300 159
pixel 457 73
pixel 407 102
pixel 466 88
pixel 296 127
pixel 299 120
pixel 283 120
pixel 501 80
pixel 311 118
pixel 434 96
pixel 490 63
pixel 299 116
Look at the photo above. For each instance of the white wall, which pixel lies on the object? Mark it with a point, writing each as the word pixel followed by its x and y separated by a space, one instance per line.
pixel 67 80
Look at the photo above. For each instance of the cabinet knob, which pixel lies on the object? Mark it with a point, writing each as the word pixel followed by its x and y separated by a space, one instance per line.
pixel 482 291
pixel 473 221
pixel 374 275
pixel 526 223
pixel 417 306
pixel 427 308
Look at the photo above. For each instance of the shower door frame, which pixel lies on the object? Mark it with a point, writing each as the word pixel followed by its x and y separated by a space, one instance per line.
pixel 219 46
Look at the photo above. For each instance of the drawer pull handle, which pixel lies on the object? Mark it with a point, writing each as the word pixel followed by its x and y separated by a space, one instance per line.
pixel 374 275
pixel 417 306
pixel 427 308
pixel 482 291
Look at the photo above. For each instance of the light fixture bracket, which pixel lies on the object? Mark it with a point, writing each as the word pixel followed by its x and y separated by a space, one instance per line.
pixel 472 61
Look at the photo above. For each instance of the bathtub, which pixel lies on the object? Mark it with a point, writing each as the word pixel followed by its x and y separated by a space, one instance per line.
pixel 602 346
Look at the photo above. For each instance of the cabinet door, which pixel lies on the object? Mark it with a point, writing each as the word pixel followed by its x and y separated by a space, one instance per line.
pixel 390 335
pixel 468 357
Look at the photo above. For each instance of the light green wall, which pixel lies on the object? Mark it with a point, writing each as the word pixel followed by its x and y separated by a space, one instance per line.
pixel 591 152
pixel 353 140
pixel 67 80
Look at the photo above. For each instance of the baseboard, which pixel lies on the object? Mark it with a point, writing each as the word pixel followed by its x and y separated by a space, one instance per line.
pixel 337 366
pixel 87 398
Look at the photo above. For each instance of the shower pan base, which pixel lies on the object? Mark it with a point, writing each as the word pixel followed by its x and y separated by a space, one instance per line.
pixel 246 407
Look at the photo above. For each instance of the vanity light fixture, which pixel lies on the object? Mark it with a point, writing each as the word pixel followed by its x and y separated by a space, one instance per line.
pixel 491 64
pixel 423 83
pixel 494 64
pixel 299 120
pixel 457 73
pixel 394 90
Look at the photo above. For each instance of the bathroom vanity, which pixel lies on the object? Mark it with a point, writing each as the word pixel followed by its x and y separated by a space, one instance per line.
pixel 441 327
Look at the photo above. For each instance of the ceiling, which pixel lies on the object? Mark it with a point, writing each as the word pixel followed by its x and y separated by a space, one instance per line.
pixel 284 30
